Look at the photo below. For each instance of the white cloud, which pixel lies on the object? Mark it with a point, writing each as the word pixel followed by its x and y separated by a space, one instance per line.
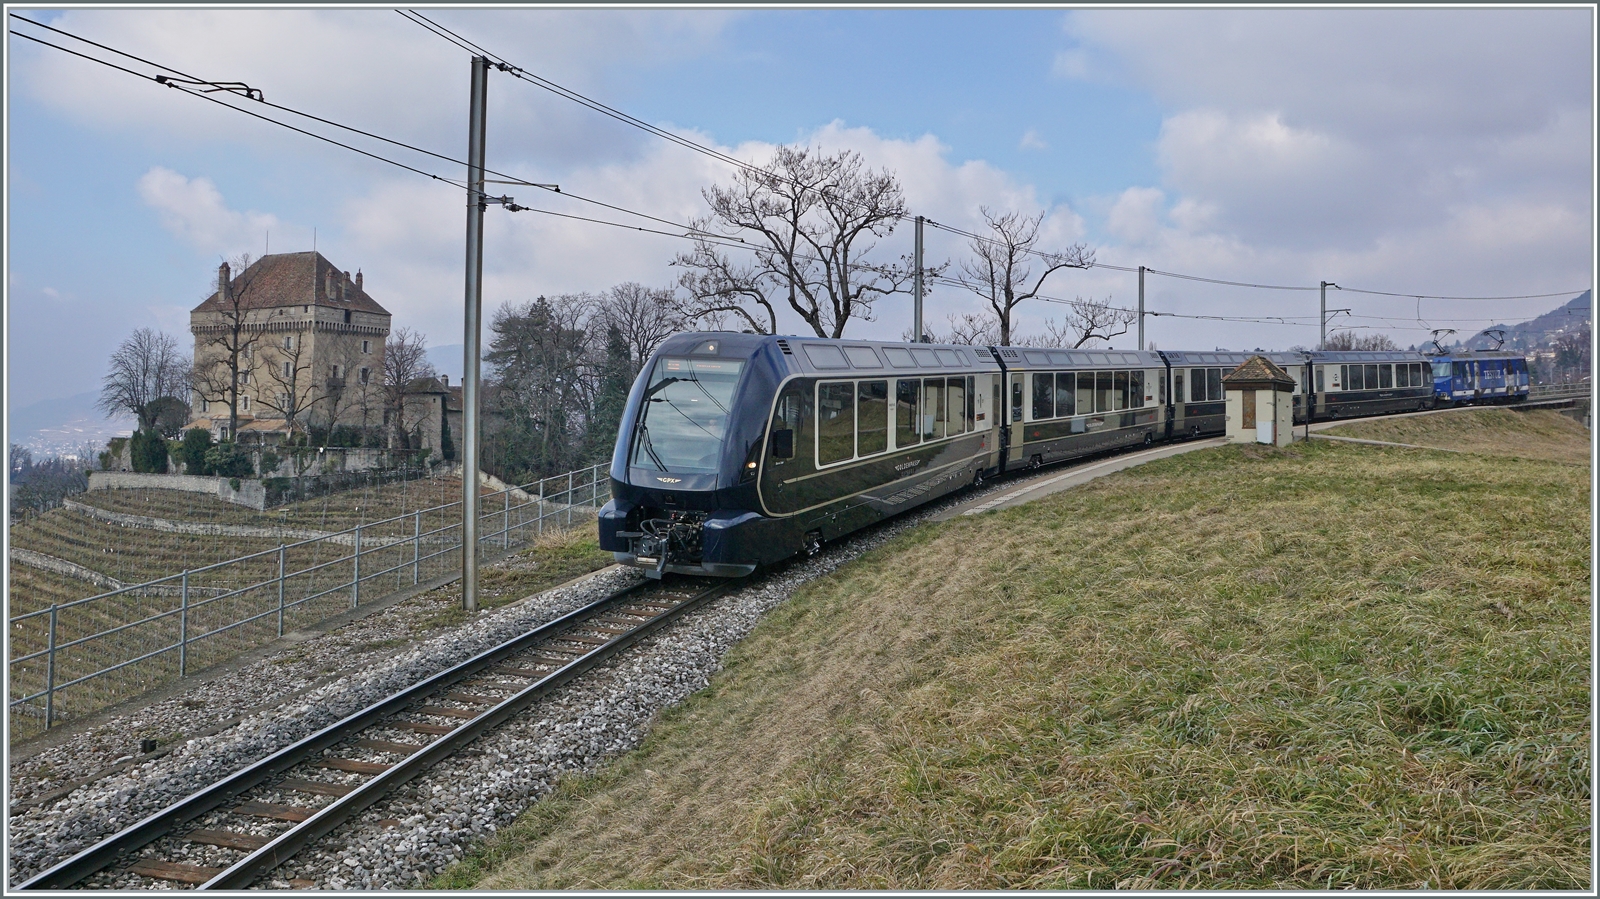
pixel 1032 141
pixel 193 211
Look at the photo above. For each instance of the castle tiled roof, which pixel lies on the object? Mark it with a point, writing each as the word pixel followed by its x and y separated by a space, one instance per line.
pixel 292 279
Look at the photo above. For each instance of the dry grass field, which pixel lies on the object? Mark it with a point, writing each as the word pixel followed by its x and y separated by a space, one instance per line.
pixel 1534 434
pixel 1326 666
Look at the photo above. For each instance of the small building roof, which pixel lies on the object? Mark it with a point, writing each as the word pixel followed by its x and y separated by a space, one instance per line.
pixel 1257 372
pixel 292 279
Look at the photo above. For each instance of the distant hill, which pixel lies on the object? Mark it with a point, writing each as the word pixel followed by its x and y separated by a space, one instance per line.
pixel 1541 331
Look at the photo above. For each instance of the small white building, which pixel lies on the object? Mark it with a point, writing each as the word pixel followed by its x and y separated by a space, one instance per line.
pixel 1260 403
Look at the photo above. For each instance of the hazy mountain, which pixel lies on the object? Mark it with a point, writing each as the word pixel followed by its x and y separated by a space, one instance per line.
pixel 1541 331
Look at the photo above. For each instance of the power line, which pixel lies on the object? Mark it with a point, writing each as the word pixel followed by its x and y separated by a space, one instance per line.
pixel 204 96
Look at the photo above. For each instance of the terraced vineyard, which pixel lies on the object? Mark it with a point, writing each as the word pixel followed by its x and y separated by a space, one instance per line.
pixel 217 594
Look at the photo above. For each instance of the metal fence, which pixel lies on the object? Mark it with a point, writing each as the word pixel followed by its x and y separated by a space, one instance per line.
pixel 76 657
pixel 1557 391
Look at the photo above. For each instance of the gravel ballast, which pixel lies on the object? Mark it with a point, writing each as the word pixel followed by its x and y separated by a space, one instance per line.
pixel 430 822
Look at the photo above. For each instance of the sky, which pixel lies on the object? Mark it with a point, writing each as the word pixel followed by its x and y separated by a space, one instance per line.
pixel 1431 151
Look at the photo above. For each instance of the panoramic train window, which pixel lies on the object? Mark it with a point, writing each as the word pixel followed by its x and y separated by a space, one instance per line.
pixel 1119 389
pixel 1043 396
pixel 1136 386
pixel 862 357
pixel 905 412
pixel 1064 394
pixel 1197 385
pixel 1102 391
pixel 1085 392
pixel 899 357
pixel 1214 384
pixel 926 358
pixel 1372 377
pixel 958 406
pixel 933 410
pixel 1385 376
pixel 836 422
pixel 685 414
pixel 872 417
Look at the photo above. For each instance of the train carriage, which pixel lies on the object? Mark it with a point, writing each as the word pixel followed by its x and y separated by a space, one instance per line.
pixel 1070 403
pixel 1352 383
pixel 742 449
pixel 1199 408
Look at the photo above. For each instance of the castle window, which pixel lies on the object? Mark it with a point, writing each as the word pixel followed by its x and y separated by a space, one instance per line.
pixel 244 403
pixel 205 405
pixel 366 346
pixel 347 316
pixel 364 373
pixel 338 372
pixel 288 342
pixel 288 371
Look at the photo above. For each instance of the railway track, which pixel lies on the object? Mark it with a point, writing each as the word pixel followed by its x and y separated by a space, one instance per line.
pixel 240 828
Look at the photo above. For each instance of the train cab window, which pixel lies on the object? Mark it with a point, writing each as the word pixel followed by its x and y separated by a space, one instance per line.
pixel 872 417
pixel 836 422
pixel 933 410
pixel 1016 397
pixel 1044 392
pixel 957 396
pixel 1065 391
pixel 906 403
pixel 1214 384
pixel 1119 390
pixel 1102 391
pixel 682 424
pixel 1385 377
pixel 1136 389
pixel 1161 389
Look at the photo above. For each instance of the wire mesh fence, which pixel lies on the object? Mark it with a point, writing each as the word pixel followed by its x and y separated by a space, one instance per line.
pixel 74 658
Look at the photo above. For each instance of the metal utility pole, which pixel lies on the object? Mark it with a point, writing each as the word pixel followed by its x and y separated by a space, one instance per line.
pixel 1141 309
pixel 1322 344
pixel 916 287
pixel 474 314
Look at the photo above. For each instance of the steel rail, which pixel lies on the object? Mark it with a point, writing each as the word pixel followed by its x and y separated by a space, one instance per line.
pixel 73 870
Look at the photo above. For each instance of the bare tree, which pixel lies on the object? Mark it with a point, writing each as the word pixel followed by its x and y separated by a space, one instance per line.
pixel 292 387
pixel 230 341
pixel 969 328
pixel 1349 340
pixel 810 220
pixel 405 359
pixel 1002 263
pixel 644 316
pixel 145 368
pixel 1087 320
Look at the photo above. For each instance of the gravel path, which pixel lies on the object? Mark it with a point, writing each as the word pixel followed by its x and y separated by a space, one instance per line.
pixel 430 822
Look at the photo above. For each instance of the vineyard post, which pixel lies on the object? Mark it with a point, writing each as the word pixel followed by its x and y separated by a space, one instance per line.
pixel 355 579
pixel 505 518
pixel 183 629
pixel 50 673
pixel 541 507
pixel 280 589
pixel 416 545
pixel 569 499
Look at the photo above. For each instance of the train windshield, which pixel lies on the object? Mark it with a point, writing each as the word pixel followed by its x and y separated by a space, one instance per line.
pixel 685 414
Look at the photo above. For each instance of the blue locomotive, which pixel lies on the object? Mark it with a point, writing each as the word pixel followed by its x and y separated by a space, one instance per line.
pixel 1479 377
pixel 740 450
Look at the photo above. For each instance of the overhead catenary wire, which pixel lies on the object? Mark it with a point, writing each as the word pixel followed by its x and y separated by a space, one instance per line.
pixel 693 232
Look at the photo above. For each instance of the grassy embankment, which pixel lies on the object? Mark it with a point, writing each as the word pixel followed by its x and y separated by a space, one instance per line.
pixel 1534 434
pixel 1333 665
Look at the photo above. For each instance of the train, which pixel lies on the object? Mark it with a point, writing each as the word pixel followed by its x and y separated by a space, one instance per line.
pixel 741 450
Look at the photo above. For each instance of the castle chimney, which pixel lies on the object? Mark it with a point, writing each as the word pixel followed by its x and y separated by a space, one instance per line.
pixel 445 380
pixel 358 280
pixel 222 282
pixel 344 287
